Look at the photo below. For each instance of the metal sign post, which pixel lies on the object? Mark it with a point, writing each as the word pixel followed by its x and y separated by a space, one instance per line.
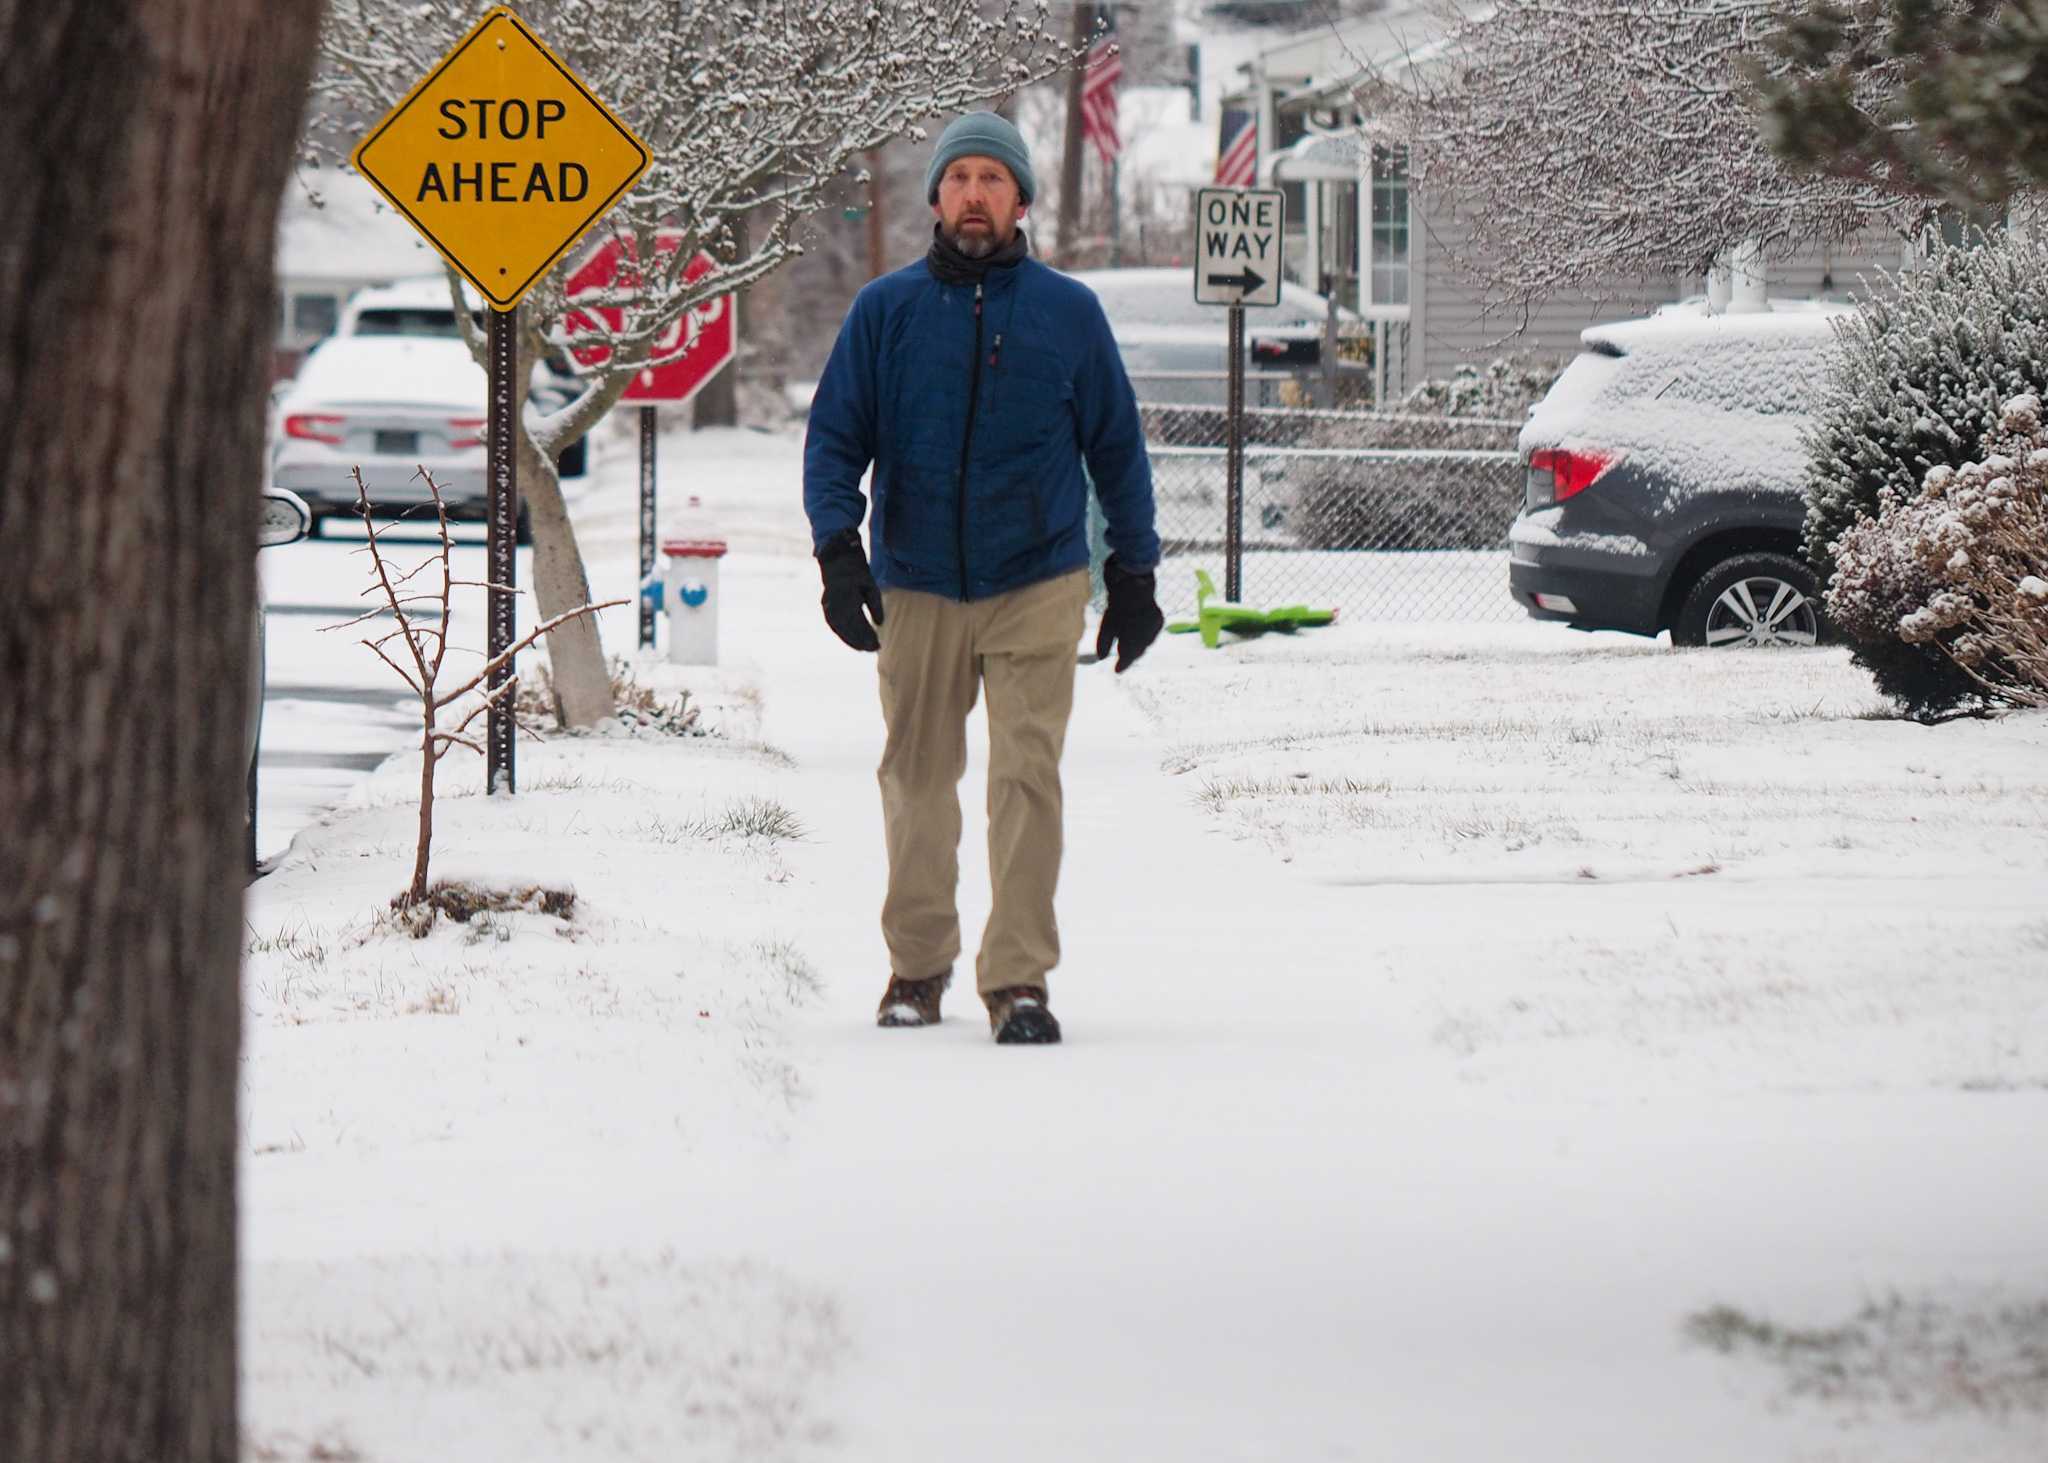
pixel 646 525
pixel 1233 490
pixel 1238 237
pixel 503 572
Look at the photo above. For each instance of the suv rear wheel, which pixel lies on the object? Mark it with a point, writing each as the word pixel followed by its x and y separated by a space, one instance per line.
pixel 1759 599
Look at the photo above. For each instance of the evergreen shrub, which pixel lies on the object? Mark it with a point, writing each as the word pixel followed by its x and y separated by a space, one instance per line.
pixel 1921 381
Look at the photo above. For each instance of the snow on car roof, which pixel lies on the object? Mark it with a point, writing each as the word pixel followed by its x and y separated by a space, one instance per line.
pixel 1691 323
pixel 426 291
pixel 386 369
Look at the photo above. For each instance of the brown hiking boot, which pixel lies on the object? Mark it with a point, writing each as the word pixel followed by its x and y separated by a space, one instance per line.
pixel 912 1002
pixel 1019 1016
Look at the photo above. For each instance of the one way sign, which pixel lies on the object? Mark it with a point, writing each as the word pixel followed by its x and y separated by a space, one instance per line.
pixel 1237 245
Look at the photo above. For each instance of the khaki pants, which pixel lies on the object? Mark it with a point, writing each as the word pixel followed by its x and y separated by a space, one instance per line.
pixel 936 654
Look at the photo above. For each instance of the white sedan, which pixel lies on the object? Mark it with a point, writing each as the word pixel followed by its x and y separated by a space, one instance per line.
pixel 390 405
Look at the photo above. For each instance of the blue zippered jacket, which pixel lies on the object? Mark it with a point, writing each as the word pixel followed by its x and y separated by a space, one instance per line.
pixel 977 406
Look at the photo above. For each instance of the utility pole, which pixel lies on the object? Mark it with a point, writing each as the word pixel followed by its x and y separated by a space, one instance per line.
pixel 1116 213
pixel 1116 181
pixel 1070 158
pixel 876 234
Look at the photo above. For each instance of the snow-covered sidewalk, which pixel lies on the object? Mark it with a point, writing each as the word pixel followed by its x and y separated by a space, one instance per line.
pixel 1482 1043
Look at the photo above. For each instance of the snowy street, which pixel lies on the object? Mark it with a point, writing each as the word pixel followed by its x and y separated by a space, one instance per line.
pixel 1483 1042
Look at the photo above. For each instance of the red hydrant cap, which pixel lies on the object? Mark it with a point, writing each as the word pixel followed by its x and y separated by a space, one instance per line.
pixel 694 548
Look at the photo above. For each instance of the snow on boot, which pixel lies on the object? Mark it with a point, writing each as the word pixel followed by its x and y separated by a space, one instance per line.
pixel 912 1002
pixel 1019 1016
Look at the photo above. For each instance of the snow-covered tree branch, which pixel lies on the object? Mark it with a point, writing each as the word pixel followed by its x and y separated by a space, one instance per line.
pixel 1584 143
pixel 1943 97
pixel 753 112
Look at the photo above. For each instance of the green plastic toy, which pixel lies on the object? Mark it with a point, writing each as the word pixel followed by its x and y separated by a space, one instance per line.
pixel 1211 620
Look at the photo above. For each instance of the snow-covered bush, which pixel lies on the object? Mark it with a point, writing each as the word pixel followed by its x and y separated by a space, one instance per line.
pixel 1504 389
pixel 1920 382
pixel 1961 566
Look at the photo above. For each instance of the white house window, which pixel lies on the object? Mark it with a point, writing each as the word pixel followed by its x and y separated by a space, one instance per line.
pixel 1390 229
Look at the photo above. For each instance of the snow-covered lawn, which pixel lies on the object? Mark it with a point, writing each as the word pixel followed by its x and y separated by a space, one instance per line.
pixel 1483 1043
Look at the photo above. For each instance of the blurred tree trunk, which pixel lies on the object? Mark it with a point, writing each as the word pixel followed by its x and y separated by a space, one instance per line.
pixel 718 404
pixel 1070 148
pixel 137 310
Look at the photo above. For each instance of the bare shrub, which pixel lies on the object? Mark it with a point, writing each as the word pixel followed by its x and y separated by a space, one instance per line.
pixel 1503 389
pixel 427 647
pixel 636 707
pixel 1410 502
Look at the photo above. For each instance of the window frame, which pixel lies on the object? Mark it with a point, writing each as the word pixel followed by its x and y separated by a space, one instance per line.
pixel 1372 306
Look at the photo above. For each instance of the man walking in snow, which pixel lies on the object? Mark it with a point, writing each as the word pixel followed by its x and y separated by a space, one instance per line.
pixel 977 382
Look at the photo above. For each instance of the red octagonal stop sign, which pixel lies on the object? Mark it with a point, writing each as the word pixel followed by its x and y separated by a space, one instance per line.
pixel 692 350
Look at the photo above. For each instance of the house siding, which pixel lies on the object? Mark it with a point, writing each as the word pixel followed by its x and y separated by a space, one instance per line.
pixel 1453 327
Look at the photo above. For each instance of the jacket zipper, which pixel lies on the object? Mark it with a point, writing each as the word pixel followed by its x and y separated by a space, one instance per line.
pixel 967 441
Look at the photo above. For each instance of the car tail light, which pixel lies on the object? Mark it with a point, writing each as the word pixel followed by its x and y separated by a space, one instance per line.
pixel 314 427
pixel 467 431
pixel 1555 474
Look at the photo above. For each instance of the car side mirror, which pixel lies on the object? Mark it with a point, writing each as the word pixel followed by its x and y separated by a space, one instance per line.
pixel 286 518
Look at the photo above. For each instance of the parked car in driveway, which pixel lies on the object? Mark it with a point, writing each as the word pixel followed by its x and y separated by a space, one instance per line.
pixel 1664 478
pixel 1160 329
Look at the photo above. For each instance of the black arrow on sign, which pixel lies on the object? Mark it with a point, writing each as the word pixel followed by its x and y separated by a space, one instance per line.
pixel 1248 281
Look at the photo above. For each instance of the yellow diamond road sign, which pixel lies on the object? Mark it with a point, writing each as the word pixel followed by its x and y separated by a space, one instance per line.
pixel 501 157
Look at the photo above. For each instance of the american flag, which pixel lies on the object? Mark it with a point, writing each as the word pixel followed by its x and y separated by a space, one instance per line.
pixel 1237 149
pixel 1098 97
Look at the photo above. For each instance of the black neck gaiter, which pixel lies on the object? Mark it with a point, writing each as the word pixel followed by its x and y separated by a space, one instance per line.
pixel 950 266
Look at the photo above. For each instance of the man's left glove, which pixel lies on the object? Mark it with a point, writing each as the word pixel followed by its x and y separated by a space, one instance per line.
pixel 850 588
pixel 1132 621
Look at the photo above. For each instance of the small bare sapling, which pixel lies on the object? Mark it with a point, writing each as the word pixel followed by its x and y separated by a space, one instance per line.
pixel 426 646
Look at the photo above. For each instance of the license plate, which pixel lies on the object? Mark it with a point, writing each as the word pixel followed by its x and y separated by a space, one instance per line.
pixel 398 443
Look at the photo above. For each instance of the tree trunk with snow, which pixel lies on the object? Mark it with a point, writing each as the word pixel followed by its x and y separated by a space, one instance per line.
pixel 136 316
pixel 718 404
pixel 582 680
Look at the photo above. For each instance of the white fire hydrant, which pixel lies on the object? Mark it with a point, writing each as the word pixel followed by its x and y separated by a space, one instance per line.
pixel 690 594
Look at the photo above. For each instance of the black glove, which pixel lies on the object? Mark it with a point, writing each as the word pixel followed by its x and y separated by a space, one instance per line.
pixel 1132 621
pixel 849 588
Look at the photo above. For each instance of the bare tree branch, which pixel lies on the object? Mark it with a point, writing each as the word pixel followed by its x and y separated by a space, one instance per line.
pixel 524 642
pixel 1576 145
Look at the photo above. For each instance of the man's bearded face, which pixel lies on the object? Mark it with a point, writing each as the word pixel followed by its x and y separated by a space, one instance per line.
pixel 979 206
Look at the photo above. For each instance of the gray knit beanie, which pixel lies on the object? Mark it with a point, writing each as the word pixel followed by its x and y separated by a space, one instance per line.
pixel 982 134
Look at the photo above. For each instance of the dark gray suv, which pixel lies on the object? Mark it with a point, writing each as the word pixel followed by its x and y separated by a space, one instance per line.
pixel 1664 479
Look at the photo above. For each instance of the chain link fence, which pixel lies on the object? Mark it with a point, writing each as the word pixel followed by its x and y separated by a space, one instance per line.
pixel 1381 515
